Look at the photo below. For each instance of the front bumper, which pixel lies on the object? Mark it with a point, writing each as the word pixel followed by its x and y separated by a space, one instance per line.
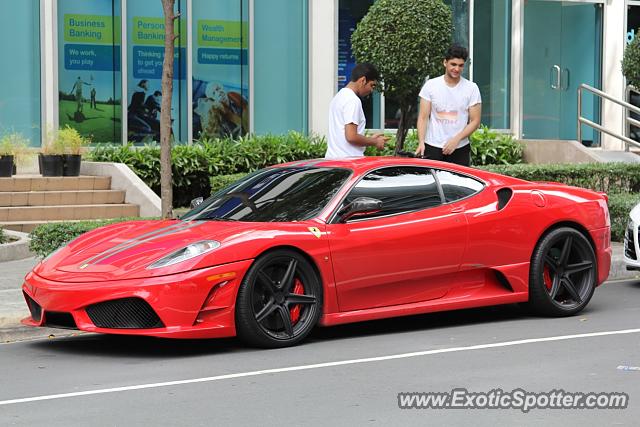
pixel 632 245
pixel 195 304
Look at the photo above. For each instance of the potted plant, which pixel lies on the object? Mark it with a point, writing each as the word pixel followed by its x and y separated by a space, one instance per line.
pixel 73 144
pixel 51 160
pixel 13 149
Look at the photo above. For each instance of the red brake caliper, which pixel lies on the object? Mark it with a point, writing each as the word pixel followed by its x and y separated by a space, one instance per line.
pixel 546 276
pixel 298 289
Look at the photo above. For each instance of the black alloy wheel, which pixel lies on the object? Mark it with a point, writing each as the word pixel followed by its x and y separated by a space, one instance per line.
pixel 563 273
pixel 279 301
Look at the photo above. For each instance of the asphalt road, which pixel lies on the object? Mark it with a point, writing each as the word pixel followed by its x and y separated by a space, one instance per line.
pixel 118 381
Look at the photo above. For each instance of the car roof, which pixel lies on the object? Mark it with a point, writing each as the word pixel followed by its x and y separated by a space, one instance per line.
pixel 363 164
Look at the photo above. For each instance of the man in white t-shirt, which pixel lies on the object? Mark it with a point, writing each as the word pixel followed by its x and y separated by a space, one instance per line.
pixel 346 118
pixel 450 108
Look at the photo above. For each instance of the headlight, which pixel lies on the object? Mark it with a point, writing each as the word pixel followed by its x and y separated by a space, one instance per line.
pixel 188 252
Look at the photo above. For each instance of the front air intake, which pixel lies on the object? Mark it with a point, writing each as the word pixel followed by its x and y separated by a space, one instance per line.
pixel 58 319
pixel 34 308
pixel 125 313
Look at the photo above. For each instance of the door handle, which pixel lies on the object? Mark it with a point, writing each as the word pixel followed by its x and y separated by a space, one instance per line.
pixel 555 79
pixel 457 209
pixel 566 81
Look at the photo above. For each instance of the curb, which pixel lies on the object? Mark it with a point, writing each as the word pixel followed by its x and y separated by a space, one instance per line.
pixel 16 250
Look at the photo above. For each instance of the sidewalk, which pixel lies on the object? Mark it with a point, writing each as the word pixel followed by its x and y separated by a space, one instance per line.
pixel 13 308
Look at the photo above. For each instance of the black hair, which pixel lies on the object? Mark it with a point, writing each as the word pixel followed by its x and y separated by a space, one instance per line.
pixel 141 82
pixel 157 93
pixel 457 51
pixel 366 70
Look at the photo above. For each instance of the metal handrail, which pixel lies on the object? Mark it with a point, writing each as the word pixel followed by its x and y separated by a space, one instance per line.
pixel 627 109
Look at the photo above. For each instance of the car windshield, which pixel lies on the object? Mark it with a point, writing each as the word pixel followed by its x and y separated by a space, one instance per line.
pixel 273 195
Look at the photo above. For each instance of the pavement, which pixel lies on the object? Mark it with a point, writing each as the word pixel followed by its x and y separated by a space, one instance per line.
pixel 13 307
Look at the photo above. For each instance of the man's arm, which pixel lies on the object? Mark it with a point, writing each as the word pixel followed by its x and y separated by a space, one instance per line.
pixel 474 122
pixel 353 137
pixel 423 119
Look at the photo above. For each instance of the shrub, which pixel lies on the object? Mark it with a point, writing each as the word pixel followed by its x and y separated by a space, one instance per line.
pixel 3 237
pixel 46 238
pixel 489 147
pixel 631 63
pixel 406 40
pixel 620 204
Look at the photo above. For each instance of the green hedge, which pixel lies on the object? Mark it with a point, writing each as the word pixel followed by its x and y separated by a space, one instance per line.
pixel 193 165
pixel 46 238
pixel 620 204
pixel 607 177
pixel 3 237
pixel 488 147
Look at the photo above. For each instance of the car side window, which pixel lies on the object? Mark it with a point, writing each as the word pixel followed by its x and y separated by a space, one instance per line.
pixel 456 186
pixel 401 189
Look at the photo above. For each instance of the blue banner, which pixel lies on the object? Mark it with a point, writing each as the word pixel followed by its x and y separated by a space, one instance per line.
pixel 91 57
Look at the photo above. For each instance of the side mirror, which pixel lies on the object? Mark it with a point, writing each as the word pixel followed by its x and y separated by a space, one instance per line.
pixel 360 206
pixel 195 202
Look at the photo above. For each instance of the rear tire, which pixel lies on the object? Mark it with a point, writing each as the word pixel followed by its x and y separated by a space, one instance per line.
pixel 279 301
pixel 563 273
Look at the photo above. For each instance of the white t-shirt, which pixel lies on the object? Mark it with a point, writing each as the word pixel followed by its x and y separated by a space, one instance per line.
pixel 345 108
pixel 449 109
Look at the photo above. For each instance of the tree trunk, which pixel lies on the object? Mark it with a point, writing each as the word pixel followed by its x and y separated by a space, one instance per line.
pixel 166 190
pixel 403 127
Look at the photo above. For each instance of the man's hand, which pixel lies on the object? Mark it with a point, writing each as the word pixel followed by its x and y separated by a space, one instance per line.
pixel 420 149
pixel 450 146
pixel 379 140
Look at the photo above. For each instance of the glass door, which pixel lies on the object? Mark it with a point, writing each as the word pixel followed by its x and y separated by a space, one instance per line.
pixel 562 50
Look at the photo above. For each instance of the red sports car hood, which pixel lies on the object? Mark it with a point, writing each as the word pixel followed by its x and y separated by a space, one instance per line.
pixel 125 250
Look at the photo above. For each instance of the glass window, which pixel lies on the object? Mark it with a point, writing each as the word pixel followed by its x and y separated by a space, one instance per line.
pixel 280 65
pixel 220 69
pixel 492 60
pixel 349 14
pixel 456 186
pixel 20 73
pixel 401 189
pixel 273 195
pixel 89 78
pixel 145 54
pixel 633 24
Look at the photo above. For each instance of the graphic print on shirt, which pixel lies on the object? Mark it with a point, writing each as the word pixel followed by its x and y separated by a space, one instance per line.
pixel 446 115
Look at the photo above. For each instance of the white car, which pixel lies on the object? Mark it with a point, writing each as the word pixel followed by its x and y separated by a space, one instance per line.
pixel 632 240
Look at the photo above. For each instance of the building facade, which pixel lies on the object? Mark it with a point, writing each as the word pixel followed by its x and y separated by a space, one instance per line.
pixel 270 66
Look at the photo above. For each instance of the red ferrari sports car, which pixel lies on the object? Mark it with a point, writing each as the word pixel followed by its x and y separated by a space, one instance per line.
pixel 328 242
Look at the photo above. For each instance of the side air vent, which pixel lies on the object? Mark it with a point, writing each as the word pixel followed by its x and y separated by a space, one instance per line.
pixel 125 313
pixel 503 281
pixel 504 195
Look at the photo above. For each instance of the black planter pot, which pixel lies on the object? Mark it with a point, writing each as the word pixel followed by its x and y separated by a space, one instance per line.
pixel 6 166
pixel 51 164
pixel 71 165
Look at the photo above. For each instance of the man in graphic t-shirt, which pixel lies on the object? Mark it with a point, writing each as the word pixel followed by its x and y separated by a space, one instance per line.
pixel 346 119
pixel 450 108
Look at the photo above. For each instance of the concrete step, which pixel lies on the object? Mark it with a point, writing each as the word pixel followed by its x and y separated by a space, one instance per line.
pixel 66 212
pixel 21 183
pixel 49 198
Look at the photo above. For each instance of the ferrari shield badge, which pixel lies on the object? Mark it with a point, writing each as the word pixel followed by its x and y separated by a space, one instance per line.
pixel 315 231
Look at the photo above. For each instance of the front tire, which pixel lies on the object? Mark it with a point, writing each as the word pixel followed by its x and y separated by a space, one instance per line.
pixel 563 273
pixel 279 301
